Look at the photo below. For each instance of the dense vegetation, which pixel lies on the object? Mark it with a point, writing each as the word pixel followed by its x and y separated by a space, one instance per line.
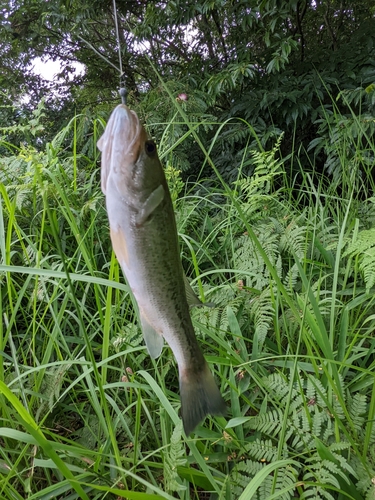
pixel 85 413
pixel 278 64
pixel 270 166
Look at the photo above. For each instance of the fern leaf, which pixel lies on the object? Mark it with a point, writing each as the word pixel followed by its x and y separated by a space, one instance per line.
pixel 263 312
pixel 175 457
pixel 358 410
pixel 269 423
pixel 367 267
pixel 284 483
pixel 320 394
pixel 363 247
pixel 51 388
pixel 322 472
pixel 262 450
pixel 278 385
pixel 291 277
pixel 242 474
pixel 294 239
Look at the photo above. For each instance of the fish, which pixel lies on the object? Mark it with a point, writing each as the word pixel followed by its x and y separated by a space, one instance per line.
pixel 144 238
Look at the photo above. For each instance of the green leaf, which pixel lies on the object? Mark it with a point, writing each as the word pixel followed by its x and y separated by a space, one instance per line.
pixel 258 479
pixel 234 422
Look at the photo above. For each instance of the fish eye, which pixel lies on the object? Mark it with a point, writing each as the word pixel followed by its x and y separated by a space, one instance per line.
pixel 150 148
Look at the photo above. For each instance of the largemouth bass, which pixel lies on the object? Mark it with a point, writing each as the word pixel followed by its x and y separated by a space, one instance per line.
pixel 144 238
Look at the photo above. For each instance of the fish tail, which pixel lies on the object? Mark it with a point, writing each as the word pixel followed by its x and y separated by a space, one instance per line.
pixel 200 396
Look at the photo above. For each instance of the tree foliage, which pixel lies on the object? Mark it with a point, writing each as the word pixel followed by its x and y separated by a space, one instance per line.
pixel 278 64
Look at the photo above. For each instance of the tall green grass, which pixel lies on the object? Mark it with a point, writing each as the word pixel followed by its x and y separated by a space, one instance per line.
pixel 85 413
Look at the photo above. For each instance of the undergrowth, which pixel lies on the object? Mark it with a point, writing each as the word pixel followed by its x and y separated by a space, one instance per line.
pixel 85 413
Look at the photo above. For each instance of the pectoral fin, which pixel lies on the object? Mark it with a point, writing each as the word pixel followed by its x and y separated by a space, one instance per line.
pixel 154 340
pixel 152 202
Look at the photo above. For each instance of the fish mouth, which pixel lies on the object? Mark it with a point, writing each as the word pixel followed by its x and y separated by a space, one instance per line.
pixel 121 143
pixel 127 131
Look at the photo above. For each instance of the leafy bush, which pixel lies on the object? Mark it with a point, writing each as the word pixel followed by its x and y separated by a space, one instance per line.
pixel 85 412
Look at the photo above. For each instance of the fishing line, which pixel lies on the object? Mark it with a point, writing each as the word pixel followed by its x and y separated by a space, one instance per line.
pixel 117 36
pixel 122 90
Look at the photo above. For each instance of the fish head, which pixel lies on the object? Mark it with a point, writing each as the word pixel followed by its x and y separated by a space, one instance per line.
pixel 128 155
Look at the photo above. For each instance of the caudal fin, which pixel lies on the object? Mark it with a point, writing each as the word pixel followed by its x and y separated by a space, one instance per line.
pixel 199 397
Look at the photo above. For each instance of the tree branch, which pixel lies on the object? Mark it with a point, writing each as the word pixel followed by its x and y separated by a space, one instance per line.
pixel 300 16
pixel 330 31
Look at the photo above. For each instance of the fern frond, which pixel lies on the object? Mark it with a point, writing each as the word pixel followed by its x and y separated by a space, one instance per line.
pixel 302 429
pixel 323 472
pixel 263 313
pixel 291 277
pixel 175 457
pixel 269 423
pixel 357 407
pixel 277 385
pixel 233 134
pixel 256 189
pixel 316 493
pixel 129 335
pixel 363 247
pixel 317 422
pixel 91 433
pixel 344 464
pixel 235 305
pixel 51 388
pixel 242 474
pixel 294 239
pixel 262 450
pixel 307 419
pixel 365 475
pixel 246 257
pixel 284 482
pixel 317 391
